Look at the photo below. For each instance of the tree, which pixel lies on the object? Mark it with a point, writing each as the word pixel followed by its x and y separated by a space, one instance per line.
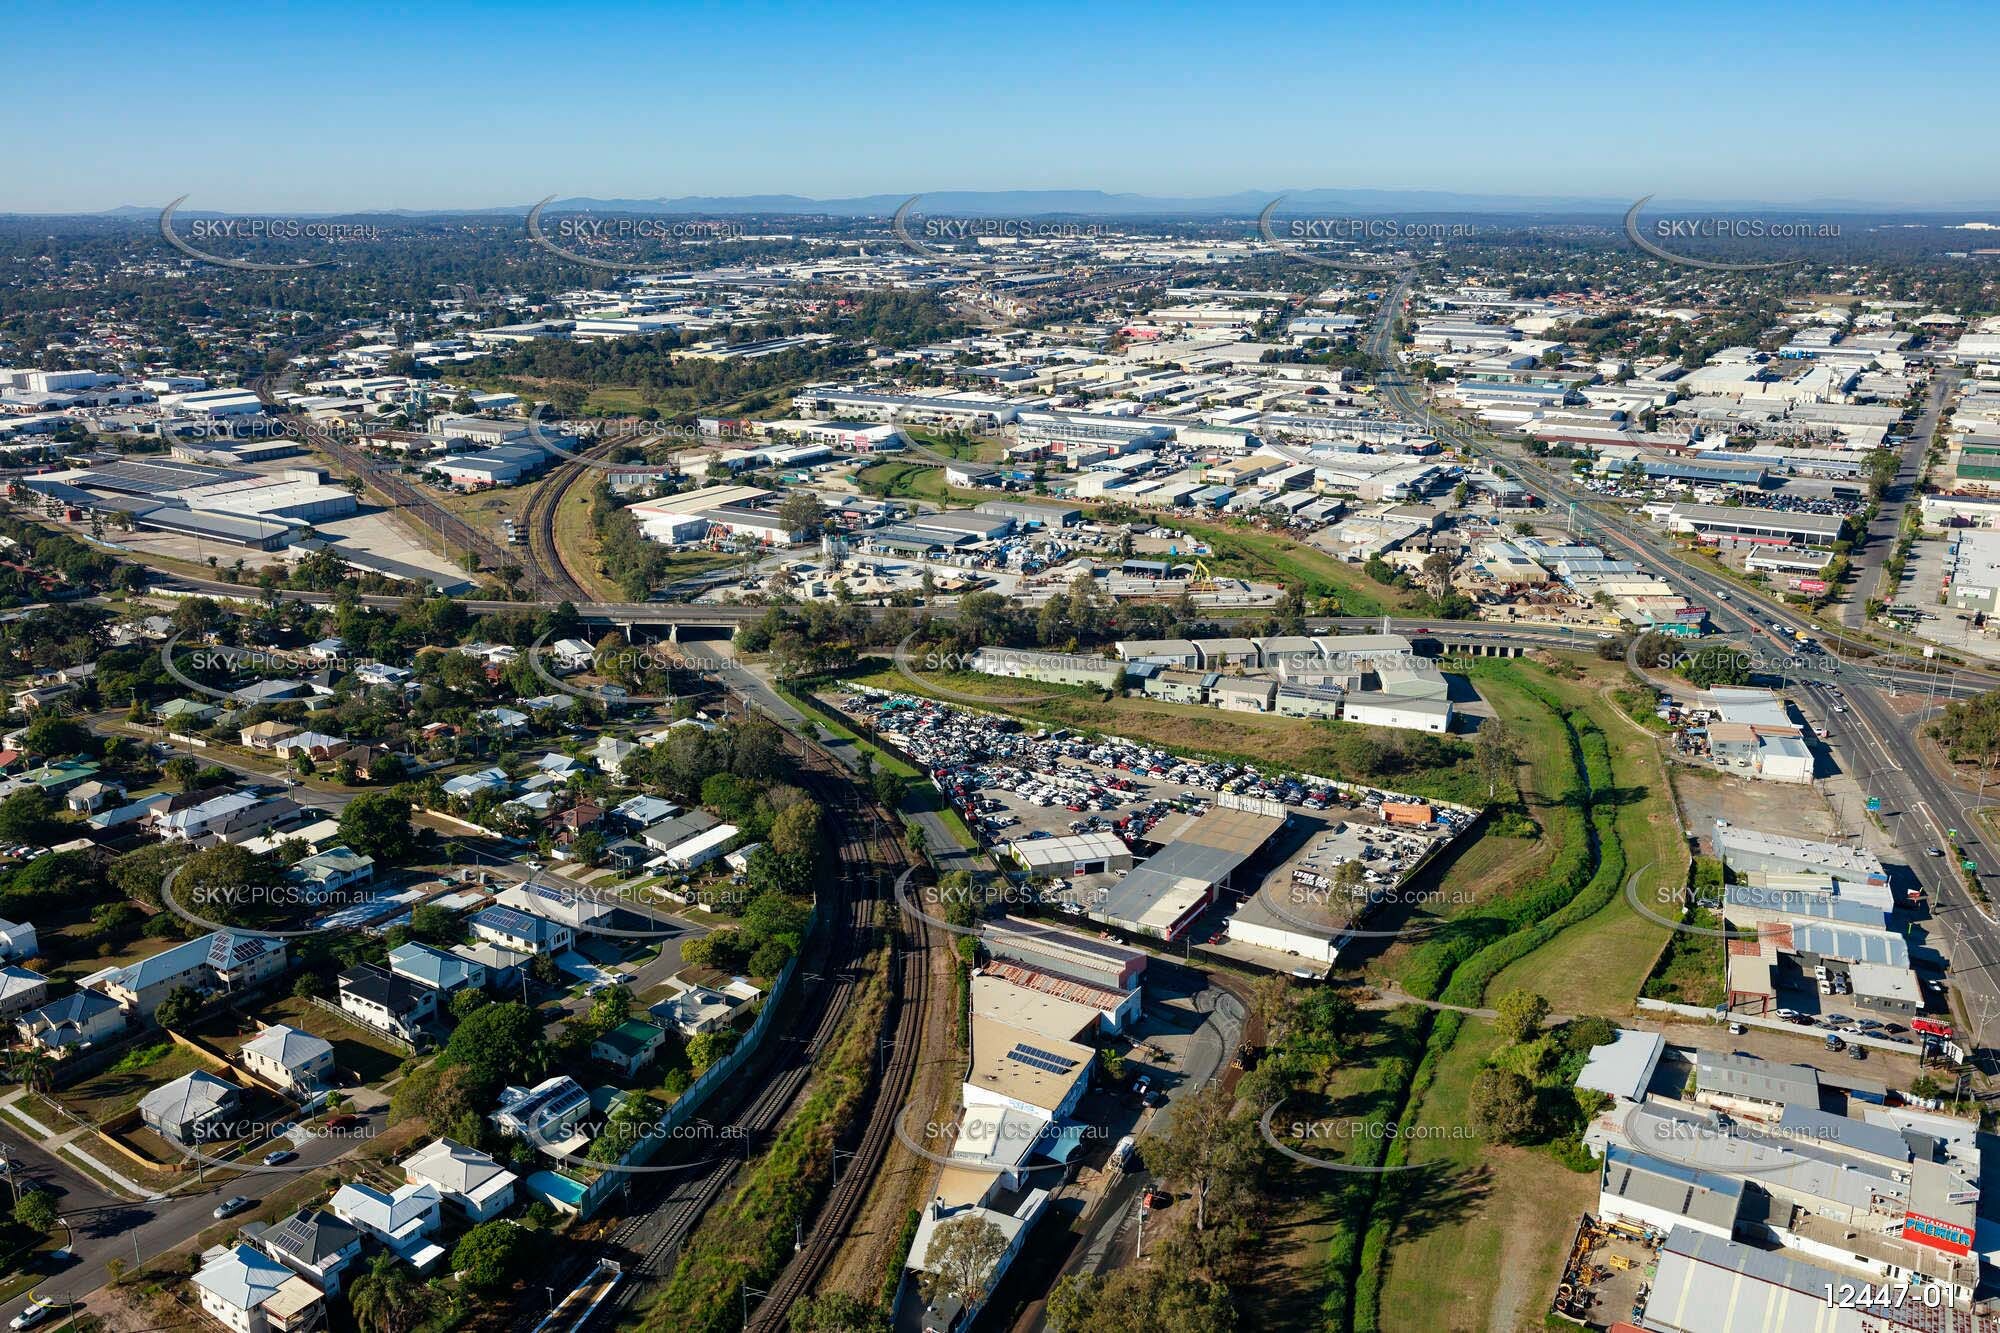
pixel 708 1047
pixel 497 1043
pixel 184 771
pixel 612 1007
pixel 802 511
pixel 1206 1148
pixel 1503 1106
pixel 1521 1013
pixel 28 816
pixel 795 832
pixel 1493 751
pixel 487 1257
pixel 467 1002
pixel 53 735
pixel 964 1252
pixel 835 1312
pixel 387 1299
pixel 377 824
pixel 1437 573
pixel 179 1008
pixel 37 1211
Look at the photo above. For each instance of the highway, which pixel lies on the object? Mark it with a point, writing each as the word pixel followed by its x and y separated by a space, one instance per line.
pixel 1919 808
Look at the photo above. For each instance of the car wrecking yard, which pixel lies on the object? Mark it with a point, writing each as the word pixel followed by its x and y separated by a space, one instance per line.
pixel 1279 871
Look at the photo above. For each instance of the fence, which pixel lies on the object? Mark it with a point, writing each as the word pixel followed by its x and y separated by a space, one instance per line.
pixel 401 1044
pixel 1775 1025
pixel 691 1101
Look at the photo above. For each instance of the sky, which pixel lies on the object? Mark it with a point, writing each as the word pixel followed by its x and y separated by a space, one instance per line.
pixel 455 105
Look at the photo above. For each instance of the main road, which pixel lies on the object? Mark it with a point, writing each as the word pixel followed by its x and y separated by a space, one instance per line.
pixel 1921 809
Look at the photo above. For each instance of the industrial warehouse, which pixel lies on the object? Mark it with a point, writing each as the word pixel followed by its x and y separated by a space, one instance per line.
pixel 263 511
pixel 1736 1194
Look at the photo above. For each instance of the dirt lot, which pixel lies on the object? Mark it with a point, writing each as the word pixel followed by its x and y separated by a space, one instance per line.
pixel 1706 796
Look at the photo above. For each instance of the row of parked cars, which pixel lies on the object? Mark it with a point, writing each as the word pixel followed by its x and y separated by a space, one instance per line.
pixel 949 740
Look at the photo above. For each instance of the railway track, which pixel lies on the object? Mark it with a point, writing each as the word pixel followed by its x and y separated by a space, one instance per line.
pixel 388 483
pixel 650 1240
pixel 913 999
pixel 545 553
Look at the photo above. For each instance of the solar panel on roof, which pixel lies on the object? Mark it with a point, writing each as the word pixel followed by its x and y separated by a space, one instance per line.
pixel 1037 1058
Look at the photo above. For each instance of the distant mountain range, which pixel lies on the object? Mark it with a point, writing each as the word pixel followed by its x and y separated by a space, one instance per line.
pixel 1098 203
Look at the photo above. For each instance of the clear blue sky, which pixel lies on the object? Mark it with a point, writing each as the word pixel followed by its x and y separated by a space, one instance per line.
pixel 467 105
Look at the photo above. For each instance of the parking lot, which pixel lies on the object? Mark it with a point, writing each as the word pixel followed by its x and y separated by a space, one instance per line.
pixel 1013 782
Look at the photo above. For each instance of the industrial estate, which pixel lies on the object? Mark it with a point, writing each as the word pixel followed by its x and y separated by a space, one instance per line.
pixel 992 762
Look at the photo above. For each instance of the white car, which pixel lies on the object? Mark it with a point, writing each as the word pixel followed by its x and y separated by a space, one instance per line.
pixel 34 1314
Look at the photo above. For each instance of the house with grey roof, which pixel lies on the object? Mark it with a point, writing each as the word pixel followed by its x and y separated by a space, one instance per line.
pixel 316 1245
pixel 248 1291
pixel 435 968
pixel 77 1021
pixel 191 1108
pixel 465 1177
pixel 289 1057
pixel 223 960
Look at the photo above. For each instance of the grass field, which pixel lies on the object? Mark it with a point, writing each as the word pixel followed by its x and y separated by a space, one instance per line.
pixel 1307 745
pixel 1307 1203
pixel 1598 965
pixel 912 481
pixel 110 1093
pixel 576 538
pixel 354 1048
pixel 1495 865
pixel 1479 1242
pixel 1269 557
pixel 966 451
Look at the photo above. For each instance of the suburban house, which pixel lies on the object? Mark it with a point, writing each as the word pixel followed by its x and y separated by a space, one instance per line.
pixel 328 872
pixel 316 1245
pixel 223 959
pixel 697 1008
pixel 629 1047
pixel 289 1058
pixel 81 1018
pixel 265 735
pixel 88 797
pixel 401 1220
pixel 247 1290
pixel 504 966
pixel 21 989
pixel 435 968
pixel 17 940
pixel 191 1108
pixel 546 1114
pixel 387 1002
pixel 473 1182
pixel 522 931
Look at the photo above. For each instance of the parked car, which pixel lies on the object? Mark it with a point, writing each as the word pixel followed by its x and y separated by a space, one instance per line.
pixel 231 1206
